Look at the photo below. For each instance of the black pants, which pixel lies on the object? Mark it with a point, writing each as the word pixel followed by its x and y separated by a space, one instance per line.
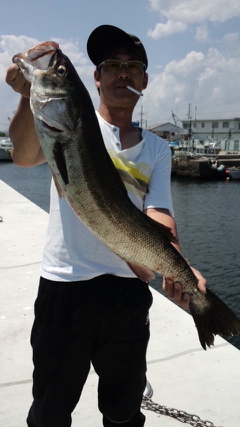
pixel 103 321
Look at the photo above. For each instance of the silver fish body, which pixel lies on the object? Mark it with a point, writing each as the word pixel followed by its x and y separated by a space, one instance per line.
pixel 69 134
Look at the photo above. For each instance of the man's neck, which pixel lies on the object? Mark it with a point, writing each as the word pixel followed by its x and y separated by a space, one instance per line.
pixel 120 117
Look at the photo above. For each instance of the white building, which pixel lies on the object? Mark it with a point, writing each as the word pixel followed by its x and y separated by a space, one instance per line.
pixel 217 128
pixel 167 131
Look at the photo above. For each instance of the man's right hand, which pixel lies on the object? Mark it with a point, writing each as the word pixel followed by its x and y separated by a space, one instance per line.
pixel 17 81
pixel 26 151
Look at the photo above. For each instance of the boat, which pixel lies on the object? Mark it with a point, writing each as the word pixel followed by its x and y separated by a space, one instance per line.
pixel 234 173
pixel 195 167
pixel 5 148
pixel 211 169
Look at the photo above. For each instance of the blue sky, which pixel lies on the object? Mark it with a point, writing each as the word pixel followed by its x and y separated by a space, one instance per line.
pixel 193 48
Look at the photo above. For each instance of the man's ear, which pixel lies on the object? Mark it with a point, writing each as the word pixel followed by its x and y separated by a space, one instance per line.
pixel 145 80
pixel 97 78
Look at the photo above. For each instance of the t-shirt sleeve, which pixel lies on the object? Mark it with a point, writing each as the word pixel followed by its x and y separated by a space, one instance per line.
pixel 159 188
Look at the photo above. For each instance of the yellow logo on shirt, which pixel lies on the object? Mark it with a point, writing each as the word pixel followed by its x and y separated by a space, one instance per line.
pixel 135 176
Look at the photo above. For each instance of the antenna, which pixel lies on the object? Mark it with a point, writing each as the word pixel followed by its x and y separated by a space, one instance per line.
pixel 189 112
pixel 142 118
pixel 190 124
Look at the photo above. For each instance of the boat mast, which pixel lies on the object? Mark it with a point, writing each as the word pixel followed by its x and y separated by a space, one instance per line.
pixel 190 127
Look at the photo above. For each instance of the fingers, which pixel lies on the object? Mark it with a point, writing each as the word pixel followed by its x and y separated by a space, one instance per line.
pixel 174 292
pixel 202 283
pixel 185 301
pixel 174 289
pixel 17 81
pixel 12 75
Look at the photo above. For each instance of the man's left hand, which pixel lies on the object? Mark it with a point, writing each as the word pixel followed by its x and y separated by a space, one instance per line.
pixel 174 289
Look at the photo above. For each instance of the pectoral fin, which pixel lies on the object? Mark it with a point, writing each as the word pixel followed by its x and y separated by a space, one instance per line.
pixel 59 157
pixel 57 186
pixel 142 273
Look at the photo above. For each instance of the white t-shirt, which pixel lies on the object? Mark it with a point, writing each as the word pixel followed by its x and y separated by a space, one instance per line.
pixel 71 251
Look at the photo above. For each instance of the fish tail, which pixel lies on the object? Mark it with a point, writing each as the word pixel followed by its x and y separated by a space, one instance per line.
pixel 217 318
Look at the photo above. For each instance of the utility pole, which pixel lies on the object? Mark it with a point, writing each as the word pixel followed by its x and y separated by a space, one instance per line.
pixel 141 117
pixel 195 113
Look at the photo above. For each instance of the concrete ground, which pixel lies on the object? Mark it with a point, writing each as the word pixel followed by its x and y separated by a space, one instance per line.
pixel 182 375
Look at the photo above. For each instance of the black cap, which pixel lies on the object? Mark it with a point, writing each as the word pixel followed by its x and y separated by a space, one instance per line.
pixel 107 36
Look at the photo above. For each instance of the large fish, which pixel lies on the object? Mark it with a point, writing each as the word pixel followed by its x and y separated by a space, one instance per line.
pixel 69 133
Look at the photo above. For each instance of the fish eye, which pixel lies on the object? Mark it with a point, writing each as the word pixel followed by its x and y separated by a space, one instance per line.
pixel 61 70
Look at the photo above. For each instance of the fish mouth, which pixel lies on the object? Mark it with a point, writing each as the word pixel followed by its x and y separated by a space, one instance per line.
pixel 43 107
pixel 37 57
pixel 42 49
pixel 49 124
pixel 51 128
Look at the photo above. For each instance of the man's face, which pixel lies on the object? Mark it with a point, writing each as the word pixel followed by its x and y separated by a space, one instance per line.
pixel 113 84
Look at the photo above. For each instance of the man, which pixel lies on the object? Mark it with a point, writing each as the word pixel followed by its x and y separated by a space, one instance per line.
pixel 91 308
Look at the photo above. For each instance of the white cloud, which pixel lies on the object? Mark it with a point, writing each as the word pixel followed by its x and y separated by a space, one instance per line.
pixel 208 82
pixel 202 33
pixel 186 66
pixel 231 38
pixel 168 29
pixel 207 79
pixel 231 43
pixel 189 12
pixel 207 74
pixel 196 11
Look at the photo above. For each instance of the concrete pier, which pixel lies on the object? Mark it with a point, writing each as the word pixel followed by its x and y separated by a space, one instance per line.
pixel 182 375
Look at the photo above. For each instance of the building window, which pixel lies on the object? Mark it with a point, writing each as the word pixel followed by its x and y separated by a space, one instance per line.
pixel 203 125
pixel 194 124
pixel 214 125
pixel 239 125
pixel 225 125
pixel 236 146
pixel 185 125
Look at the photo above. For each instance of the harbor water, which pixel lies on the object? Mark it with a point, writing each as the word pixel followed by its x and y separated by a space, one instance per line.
pixel 207 216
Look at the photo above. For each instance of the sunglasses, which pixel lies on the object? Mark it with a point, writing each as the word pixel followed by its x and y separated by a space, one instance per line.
pixel 114 65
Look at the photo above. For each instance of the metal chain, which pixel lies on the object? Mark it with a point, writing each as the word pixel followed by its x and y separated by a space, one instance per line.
pixel 182 416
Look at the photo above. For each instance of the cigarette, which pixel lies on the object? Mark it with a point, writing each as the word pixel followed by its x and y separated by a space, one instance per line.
pixel 134 90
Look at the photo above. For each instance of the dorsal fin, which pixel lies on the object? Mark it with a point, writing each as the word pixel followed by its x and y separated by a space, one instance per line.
pixel 166 231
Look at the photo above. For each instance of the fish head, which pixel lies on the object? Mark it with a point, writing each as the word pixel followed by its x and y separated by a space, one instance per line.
pixel 54 86
pixel 35 58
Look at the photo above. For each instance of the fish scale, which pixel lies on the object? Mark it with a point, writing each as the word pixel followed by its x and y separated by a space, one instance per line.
pixel 70 137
